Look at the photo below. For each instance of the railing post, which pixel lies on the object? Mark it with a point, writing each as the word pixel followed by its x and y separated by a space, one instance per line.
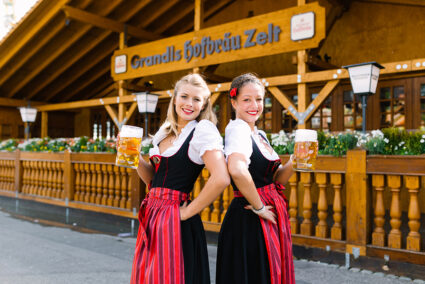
pixel 18 171
pixel 137 190
pixel 68 179
pixel 413 241
pixel 358 202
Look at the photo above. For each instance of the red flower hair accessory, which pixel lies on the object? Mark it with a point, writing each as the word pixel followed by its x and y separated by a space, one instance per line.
pixel 233 92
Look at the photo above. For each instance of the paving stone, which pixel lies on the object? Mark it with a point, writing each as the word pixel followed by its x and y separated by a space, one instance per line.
pixel 392 276
pixel 404 278
pixel 365 271
pixel 380 274
pixel 355 269
pixel 419 281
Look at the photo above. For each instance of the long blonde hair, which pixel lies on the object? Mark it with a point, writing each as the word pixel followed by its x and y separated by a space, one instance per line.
pixel 170 125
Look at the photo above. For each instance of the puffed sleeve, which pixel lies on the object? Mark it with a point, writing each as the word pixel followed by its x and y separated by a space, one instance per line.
pixel 237 139
pixel 158 137
pixel 205 138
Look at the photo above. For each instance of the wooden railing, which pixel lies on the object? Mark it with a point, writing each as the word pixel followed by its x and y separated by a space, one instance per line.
pixel 79 180
pixel 365 205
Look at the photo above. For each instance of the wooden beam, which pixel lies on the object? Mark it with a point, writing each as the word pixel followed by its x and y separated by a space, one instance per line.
pixel 177 17
pixel 198 21
pixel 56 26
pixel 106 91
pixel 107 24
pixel 303 94
pixel 217 6
pixel 323 94
pixel 161 9
pixel 97 88
pixel 130 112
pixel 419 3
pixel 101 70
pixel 214 97
pixel 199 15
pixel 74 75
pixel 284 100
pixel 44 124
pixel 399 67
pixel 10 46
pixel 47 59
pixel 113 114
pixel 17 103
pixel 93 61
pixel 121 93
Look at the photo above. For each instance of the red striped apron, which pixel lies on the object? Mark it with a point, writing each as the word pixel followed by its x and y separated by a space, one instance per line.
pixel 277 236
pixel 159 254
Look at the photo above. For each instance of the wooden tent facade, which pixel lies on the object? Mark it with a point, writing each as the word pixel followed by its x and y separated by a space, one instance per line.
pixel 59 58
pixel 61 52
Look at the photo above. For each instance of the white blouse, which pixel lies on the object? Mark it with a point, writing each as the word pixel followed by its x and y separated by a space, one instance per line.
pixel 238 140
pixel 205 137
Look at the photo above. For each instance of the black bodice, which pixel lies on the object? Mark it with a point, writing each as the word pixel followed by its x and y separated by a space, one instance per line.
pixel 260 168
pixel 176 172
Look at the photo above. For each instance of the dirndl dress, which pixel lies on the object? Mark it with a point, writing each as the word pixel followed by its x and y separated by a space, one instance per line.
pixel 169 250
pixel 251 249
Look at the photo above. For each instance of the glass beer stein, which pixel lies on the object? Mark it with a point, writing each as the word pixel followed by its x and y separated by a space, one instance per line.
pixel 305 150
pixel 128 147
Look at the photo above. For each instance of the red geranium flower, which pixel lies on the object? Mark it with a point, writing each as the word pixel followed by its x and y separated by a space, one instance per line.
pixel 233 92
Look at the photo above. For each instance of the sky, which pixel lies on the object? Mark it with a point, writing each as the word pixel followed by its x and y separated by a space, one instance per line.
pixel 20 7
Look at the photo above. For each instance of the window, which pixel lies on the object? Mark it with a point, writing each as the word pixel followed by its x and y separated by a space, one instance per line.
pixel 322 118
pixel 352 111
pixel 392 102
pixel 265 120
pixel 6 131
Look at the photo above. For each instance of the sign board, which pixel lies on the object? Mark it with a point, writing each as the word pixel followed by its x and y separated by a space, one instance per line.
pixel 302 26
pixel 258 36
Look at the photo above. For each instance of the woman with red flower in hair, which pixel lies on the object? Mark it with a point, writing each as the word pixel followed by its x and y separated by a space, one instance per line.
pixel 255 239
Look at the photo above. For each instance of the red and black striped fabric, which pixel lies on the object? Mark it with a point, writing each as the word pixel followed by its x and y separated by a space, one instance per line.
pixel 277 236
pixel 159 255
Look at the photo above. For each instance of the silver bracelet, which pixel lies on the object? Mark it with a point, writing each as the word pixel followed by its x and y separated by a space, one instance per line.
pixel 259 211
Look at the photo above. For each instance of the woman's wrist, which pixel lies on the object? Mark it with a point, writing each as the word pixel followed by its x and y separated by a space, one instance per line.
pixel 262 209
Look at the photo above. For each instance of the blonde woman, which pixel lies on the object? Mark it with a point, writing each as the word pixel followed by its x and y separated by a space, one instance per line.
pixel 254 244
pixel 171 245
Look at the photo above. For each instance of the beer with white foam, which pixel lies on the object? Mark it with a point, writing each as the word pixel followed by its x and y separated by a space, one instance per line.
pixel 128 146
pixel 305 150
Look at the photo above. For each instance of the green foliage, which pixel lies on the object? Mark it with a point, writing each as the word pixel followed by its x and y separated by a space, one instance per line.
pixel 9 145
pixel 337 145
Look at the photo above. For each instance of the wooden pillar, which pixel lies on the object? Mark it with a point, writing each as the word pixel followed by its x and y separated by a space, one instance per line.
pixel 394 237
pixel 336 230
pixel 378 235
pixel 322 206
pixel 358 202
pixel 198 21
pixel 293 203
pixel 44 124
pixel 303 99
pixel 18 171
pixel 307 226
pixel 413 241
pixel 68 176
pixel 27 133
pixel 121 90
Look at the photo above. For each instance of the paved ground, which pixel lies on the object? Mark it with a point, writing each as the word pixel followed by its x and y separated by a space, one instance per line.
pixel 31 252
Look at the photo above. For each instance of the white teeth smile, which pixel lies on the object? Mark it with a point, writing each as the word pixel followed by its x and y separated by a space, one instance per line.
pixel 252 112
pixel 187 111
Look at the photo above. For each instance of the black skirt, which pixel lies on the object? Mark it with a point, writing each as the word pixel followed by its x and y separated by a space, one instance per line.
pixel 242 254
pixel 195 252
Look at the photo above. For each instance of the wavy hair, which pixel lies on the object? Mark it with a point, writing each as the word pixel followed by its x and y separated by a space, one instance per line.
pixel 170 125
